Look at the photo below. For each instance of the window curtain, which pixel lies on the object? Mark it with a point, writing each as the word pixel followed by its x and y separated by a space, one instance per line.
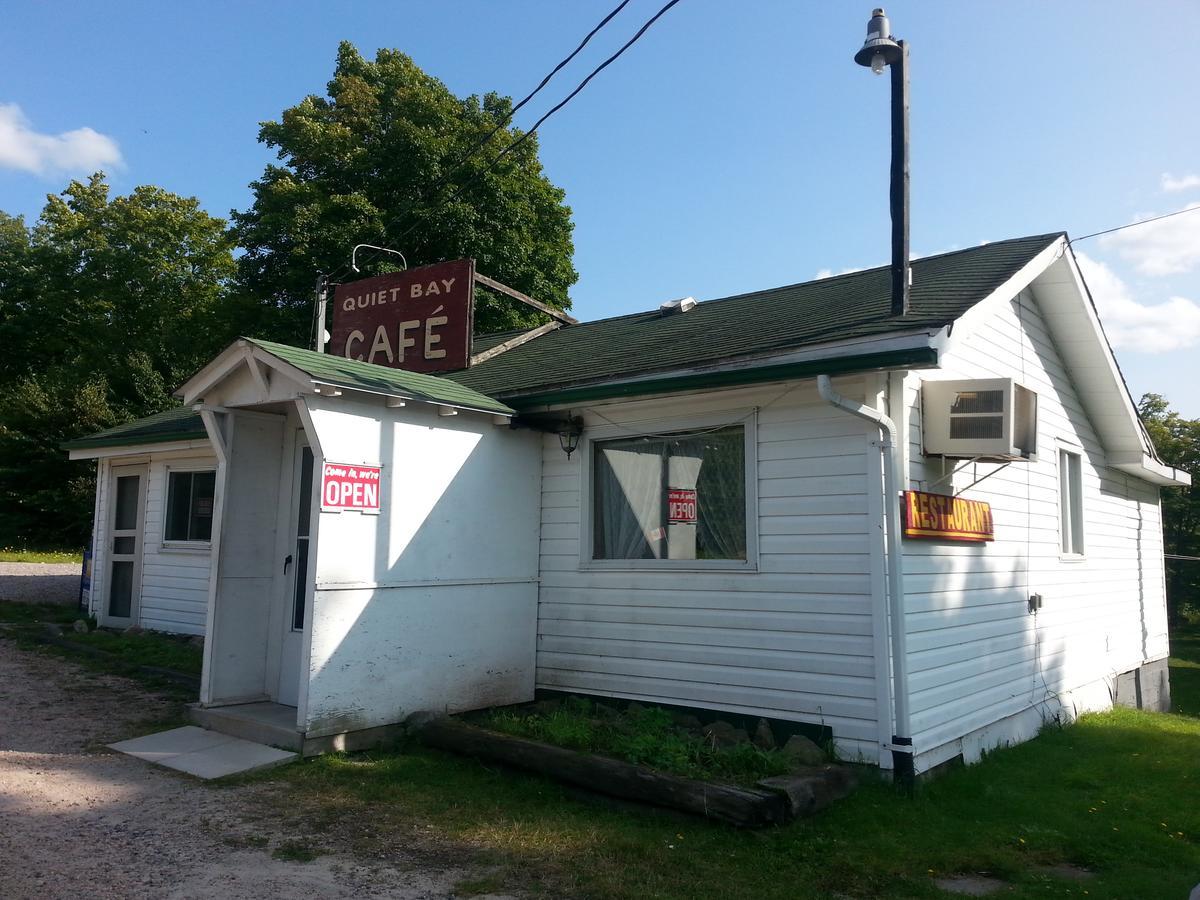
pixel 628 505
pixel 631 478
pixel 721 497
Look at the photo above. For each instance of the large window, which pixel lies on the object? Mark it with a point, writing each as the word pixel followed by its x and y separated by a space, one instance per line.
pixel 680 496
pixel 189 506
pixel 1070 496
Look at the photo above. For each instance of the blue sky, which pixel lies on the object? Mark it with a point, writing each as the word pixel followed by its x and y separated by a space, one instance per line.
pixel 735 147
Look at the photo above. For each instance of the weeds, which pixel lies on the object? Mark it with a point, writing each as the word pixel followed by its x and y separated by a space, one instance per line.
pixel 643 735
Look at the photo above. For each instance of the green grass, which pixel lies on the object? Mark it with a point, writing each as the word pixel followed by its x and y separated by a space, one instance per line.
pixel 146 649
pixel 125 654
pixel 14 554
pixel 1185 669
pixel 295 851
pixel 15 613
pixel 643 735
pixel 1115 793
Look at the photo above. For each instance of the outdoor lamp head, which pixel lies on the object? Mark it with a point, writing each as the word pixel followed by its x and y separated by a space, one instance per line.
pixel 569 433
pixel 879 49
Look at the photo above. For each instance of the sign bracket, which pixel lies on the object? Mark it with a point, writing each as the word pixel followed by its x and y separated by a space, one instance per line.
pixel 557 314
pixel 972 461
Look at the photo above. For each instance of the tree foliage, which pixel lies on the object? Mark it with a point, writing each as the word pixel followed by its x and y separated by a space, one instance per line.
pixel 108 304
pixel 375 162
pixel 1178 443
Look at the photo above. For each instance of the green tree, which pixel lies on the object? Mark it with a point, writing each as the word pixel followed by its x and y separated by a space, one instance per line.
pixel 1178 443
pixel 107 306
pixel 376 162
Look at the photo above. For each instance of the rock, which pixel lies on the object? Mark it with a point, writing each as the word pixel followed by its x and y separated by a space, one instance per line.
pixel 604 711
pixel 196 640
pixel 52 630
pixel 722 735
pixel 800 751
pixel 81 626
pixel 764 738
pixel 686 721
pixel 134 630
pixel 971 885
pixel 635 708
pixel 812 791
pixel 547 707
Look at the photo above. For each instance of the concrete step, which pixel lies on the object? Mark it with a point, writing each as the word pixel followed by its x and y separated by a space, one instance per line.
pixel 263 723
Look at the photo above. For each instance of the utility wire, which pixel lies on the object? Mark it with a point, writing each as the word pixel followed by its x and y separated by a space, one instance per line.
pixel 466 157
pixel 529 133
pixel 1178 212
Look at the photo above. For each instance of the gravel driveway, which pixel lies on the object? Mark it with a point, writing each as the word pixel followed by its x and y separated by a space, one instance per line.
pixel 78 821
pixel 40 582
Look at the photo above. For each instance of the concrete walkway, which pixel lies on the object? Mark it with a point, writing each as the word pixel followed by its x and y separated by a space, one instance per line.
pixel 203 753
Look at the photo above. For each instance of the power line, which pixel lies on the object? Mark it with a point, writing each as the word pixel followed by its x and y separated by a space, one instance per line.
pixel 466 157
pixel 1178 212
pixel 529 133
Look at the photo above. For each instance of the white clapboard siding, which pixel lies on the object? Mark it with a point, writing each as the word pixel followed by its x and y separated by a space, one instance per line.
pixel 976 654
pixel 174 579
pixel 793 640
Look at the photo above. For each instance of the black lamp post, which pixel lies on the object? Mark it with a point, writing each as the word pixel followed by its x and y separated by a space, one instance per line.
pixel 881 50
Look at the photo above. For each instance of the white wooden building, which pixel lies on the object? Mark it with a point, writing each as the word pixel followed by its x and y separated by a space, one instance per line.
pixel 721 538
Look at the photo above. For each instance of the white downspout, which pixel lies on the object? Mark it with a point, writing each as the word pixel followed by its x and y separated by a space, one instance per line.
pixel 893 477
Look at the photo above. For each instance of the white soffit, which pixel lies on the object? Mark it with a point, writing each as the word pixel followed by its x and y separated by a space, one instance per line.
pixel 1078 336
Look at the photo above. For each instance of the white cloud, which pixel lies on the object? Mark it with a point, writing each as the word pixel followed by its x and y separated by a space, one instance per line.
pixel 1158 328
pixel 829 273
pixel 80 151
pixel 1171 184
pixel 1166 247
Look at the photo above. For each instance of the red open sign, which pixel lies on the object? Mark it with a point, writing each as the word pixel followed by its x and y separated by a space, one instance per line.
pixel 681 506
pixel 349 486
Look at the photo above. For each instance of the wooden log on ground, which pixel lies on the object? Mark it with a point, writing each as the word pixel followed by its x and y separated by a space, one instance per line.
pixel 747 807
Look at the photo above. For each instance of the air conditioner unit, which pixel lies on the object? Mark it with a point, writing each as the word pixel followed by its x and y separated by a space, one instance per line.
pixel 983 418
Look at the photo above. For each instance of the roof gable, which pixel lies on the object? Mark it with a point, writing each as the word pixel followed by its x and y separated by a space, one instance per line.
pixel 311 371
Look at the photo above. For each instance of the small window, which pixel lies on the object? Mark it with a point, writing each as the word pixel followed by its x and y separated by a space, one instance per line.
pixel 1070 497
pixel 679 496
pixel 189 506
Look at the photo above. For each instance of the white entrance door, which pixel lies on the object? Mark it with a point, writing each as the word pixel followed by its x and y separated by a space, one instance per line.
pixel 299 563
pixel 123 575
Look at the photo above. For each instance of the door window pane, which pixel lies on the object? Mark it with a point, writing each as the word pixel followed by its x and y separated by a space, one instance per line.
pixel 124 546
pixel 126 514
pixel 300 586
pixel 675 497
pixel 120 589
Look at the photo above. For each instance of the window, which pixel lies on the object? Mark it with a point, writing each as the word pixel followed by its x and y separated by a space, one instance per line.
pixel 189 506
pixel 1070 498
pixel 676 497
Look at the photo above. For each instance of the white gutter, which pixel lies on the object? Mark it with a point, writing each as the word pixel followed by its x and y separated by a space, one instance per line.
pixel 893 478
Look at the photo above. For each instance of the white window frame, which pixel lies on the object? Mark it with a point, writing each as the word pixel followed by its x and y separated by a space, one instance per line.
pixel 747 418
pixel 1071 513
pixel 184 469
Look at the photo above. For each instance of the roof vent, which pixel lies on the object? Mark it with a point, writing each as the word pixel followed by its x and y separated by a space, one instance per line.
pixel 676 306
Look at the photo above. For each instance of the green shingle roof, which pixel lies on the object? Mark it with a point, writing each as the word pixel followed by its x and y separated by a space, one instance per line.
pixel 777 320
pixel 179 424
pixel 854 305
pixel 354 375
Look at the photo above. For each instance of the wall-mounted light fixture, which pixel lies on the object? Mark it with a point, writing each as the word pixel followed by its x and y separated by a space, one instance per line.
pixel 569 433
